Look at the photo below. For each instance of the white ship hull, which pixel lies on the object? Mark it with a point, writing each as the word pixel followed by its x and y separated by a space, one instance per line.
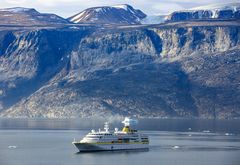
pixel 127 139
pixel 88 147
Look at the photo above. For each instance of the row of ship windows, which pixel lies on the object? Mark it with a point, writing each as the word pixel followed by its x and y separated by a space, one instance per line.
pixel 96 137
pixel 102 134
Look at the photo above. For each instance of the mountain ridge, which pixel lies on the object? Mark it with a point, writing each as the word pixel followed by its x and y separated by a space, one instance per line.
pixel 28 16
pixel 116 14
pixel 210 12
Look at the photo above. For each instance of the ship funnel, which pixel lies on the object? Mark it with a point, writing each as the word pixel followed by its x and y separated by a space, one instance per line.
pixel 128 121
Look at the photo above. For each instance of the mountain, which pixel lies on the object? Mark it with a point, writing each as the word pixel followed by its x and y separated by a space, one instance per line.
pixel 118 14
pixel 212 12
pixel 181 68
pixel 186 69
pixel 28 16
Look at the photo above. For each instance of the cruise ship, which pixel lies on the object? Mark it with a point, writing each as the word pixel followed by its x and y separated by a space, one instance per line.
pixel 106 140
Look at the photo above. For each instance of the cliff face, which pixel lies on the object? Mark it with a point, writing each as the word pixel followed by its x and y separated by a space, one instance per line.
pixel 152 71
pixel 203 14
pixel 30 58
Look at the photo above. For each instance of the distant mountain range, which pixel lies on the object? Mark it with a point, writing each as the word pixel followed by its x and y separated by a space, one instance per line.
pixel 104 62
pixel 118 14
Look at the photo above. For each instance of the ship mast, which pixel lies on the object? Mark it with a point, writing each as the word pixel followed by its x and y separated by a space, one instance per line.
pixel 106 127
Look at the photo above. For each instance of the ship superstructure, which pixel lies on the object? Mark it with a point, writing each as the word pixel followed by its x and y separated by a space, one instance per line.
pixel 106 140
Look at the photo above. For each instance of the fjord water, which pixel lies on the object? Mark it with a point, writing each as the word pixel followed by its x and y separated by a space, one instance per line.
pixel 172 142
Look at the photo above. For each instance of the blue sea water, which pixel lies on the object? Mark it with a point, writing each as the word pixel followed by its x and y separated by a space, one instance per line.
pixel 172 142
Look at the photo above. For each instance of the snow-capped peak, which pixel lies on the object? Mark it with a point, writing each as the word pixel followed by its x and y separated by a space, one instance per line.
pixel 116 14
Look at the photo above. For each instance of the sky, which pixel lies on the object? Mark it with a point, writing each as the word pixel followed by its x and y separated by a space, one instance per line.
pixel 67 8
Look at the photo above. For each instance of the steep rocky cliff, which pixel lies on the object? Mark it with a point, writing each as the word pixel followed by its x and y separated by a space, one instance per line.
pixel 169 70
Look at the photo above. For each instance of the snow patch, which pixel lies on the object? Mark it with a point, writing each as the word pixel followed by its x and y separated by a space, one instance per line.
pixel 99 10
pixel 78 17
pixel 125 7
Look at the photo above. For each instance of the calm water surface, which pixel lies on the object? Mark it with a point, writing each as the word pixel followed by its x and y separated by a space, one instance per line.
pixel 172 142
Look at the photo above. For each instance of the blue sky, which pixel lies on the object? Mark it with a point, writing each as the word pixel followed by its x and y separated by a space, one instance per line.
pixel 66 8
